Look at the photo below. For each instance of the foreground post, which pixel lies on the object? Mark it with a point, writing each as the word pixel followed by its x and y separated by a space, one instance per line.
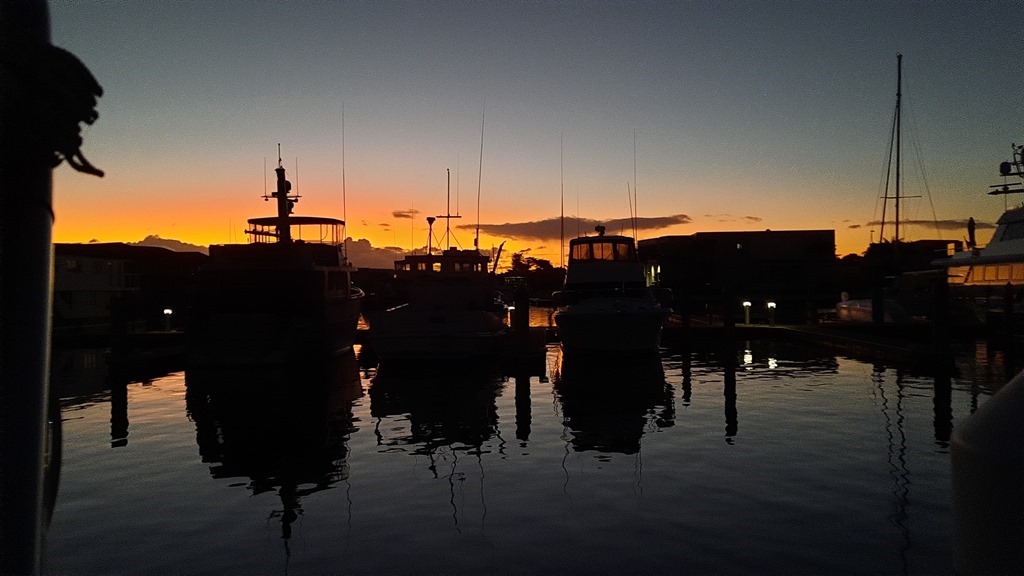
pixel 26 256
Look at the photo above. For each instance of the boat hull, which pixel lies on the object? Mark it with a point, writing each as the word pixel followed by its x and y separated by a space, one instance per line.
pixel 610 325
pixel 271 304
pixel 272 337
pixel 406 333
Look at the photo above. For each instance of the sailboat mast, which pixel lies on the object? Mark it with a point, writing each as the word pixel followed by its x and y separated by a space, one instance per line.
pixel 479 178
pixel 344 200
pixel 899 97
pixel 448 211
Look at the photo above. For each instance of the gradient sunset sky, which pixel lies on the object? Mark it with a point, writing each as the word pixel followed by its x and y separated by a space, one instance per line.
pixel 744 116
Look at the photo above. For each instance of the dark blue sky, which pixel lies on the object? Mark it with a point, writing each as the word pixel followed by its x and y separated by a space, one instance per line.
pixel 746 115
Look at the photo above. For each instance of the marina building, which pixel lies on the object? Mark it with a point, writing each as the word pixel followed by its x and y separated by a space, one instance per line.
pixel 783 276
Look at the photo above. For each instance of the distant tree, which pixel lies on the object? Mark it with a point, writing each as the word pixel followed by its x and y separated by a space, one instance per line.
pixel 519 264
pixel 539 264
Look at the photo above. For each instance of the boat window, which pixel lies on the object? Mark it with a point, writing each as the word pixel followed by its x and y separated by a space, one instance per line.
pixel 1018 273
pixel 604 251
pixel 623 252
pixel 581 252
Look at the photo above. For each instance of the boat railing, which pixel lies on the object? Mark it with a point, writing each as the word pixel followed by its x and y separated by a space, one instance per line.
pixel 310 230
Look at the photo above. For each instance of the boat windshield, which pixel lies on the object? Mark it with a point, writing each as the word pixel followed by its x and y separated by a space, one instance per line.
pixel 616 251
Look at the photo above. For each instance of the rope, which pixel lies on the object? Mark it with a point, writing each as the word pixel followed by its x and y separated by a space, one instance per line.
pixel 59 93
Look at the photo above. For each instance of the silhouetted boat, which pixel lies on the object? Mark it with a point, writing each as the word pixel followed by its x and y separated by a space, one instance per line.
pixel 286 294
pixel 1001 261
pixel 451 309
pixel 605 304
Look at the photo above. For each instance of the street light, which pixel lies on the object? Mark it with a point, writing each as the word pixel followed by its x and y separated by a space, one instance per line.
pixel 746 311
pixel 771 313
pixel 167 319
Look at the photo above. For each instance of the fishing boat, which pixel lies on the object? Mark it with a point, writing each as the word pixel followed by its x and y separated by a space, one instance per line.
pixel 286 294
pixel 605 303
pixel 450 309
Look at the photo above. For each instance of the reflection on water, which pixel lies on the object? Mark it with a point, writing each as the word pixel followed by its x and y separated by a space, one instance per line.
pixel 608 405
pixel 427 413
pixel 281 429
pixel 763 457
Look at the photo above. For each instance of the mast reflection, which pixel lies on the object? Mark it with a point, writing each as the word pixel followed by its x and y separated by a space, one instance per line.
pixel 283 428
pixel 609 405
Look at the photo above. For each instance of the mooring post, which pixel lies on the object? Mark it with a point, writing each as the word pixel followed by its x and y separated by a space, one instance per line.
pixel 521 319
pixel 26 260
pixel 1008 294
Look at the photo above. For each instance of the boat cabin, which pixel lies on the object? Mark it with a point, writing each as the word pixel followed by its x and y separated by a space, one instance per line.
pixel 451 261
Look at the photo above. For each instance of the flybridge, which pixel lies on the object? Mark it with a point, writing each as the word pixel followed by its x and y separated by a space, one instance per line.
pixel 311 229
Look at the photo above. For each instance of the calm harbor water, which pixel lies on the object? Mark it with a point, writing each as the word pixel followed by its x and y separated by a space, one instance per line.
pixel 769 457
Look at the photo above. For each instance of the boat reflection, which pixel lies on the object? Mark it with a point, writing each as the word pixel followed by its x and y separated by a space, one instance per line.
pixel 457 411
pixel 610 405
pixel 284 429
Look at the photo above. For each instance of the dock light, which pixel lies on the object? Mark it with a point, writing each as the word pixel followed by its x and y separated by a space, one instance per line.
pixel 167 319
pixel 771 313
pixel 746 311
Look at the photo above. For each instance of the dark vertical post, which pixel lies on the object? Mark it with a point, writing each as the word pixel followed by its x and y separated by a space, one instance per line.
pixel 26 284
pixel 729 391
pixel 119 412
pixel 521 319
pixel 524 415
pixel 940 315
pixel 1008 294
pixel 942 403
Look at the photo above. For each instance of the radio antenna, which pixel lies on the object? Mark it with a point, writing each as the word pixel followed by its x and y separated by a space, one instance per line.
pixel 479 178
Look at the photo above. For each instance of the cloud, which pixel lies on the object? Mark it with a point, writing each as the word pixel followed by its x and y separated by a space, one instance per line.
pixel 411 213
pixel 725 218
pixel 176 245
pixel 935 224
pixel 363 255
pixel 360 252
pixel 551 228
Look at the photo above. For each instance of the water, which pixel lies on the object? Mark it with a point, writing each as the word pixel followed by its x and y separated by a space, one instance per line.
pixel 799 461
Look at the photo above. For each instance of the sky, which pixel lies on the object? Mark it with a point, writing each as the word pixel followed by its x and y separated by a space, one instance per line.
pixel 700 116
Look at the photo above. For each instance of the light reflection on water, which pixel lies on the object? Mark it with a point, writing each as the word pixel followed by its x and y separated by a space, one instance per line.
pixel 767 458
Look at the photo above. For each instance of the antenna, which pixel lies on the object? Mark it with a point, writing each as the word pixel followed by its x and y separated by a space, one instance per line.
pixel 479 177
pixel 344 199
pixel 577 211
pixel 561 199
pixel 629 197
pixel 633 208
